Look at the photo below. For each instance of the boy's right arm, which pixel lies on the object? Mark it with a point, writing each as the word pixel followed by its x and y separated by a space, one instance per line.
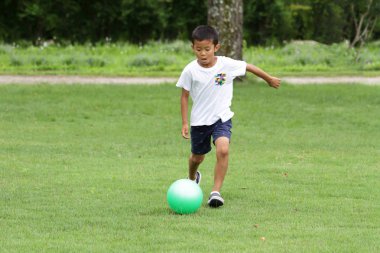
pixel 271 80
pixel 184 111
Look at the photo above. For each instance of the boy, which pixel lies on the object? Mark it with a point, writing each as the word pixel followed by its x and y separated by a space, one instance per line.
pixel 208 80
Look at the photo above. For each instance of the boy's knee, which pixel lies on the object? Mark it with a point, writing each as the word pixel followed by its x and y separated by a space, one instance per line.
pixel 222 147
pixel 223 151
pixel 197 158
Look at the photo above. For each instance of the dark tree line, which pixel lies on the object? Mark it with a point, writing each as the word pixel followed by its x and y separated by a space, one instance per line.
pixel 97 20
pixel 137 21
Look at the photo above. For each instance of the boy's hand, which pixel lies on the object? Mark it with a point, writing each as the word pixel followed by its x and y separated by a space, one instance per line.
pixel 274 82
pixel 185 131
pixel 271 80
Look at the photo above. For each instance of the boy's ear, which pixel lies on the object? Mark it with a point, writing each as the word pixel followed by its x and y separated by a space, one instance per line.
pixel 217 46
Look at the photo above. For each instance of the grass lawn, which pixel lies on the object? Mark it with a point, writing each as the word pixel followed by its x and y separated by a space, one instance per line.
pixel 86 169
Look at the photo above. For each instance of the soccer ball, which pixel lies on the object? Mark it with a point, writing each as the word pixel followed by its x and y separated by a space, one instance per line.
pixel 184 196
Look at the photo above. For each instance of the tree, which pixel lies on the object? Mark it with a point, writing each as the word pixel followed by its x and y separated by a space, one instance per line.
pixel 267 22
pixel 364 17
pixel 328 21
pixel 226 16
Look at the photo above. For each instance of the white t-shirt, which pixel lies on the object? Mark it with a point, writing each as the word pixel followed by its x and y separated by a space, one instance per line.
pixel 211 89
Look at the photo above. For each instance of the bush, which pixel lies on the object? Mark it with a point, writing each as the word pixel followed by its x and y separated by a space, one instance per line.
pixel 95 62
pixel 145 60
pixel 15 62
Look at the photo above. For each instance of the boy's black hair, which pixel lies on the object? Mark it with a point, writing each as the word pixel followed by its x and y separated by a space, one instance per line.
pixel 205 32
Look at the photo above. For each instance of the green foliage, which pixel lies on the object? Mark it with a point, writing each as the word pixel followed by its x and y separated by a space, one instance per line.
pixel 98 21
pixel 310 57
pixel 328 21
pixel 301 21
pixel 266 22
pixel 86 169
pixel 169 59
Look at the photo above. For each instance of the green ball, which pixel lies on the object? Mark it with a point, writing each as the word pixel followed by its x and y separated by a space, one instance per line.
pixel 184 196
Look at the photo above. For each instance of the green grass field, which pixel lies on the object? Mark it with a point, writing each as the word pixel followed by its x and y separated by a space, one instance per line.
pixel 86 169
pixel 168 59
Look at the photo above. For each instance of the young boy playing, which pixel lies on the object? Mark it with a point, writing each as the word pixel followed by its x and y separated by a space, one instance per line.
pixel 209 80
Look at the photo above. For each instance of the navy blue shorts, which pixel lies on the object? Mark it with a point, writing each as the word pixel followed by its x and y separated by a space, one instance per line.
pixel 201 136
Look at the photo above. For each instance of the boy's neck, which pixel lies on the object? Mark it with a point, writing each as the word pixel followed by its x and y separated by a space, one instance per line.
pixel 210 65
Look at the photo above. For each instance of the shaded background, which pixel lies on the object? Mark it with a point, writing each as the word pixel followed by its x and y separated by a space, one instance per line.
pixel 266 22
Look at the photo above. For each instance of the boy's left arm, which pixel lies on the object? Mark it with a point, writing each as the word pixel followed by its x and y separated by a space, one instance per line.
pixel 271 80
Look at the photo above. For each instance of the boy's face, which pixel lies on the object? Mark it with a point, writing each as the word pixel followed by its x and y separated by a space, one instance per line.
pixel 205 52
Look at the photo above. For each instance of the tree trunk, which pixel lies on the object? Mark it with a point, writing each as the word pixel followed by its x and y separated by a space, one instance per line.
pixel 226 16
pixel 364 26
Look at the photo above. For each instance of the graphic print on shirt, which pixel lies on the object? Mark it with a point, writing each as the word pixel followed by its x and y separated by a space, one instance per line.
pixel 220 79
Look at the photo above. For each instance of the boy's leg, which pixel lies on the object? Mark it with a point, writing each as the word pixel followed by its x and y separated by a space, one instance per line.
pixel 200 145
pixel 222 147
pixel 194 162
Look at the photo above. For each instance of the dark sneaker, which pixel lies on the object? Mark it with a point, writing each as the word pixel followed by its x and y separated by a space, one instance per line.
pixel 215 200
pixel 198 177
